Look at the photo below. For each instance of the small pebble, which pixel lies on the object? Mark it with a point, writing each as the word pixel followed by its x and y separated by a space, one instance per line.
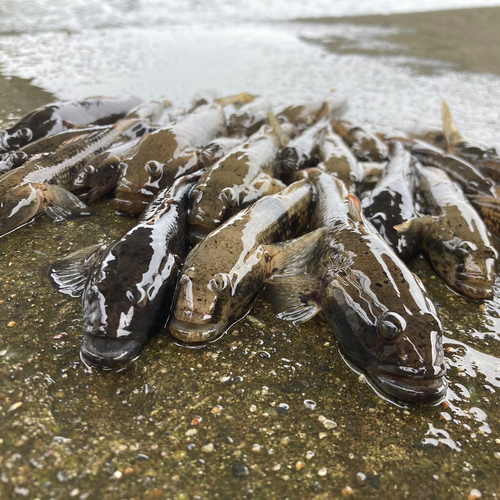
pixel 253 408
pixel 327 423
pixel 239 470
pixel 347 491
pixel 11 323
pixel 117 474
pixel 323 435
pixel 323 472
pixel 310 454
pixel 128 471
pixel 299 465
pixel 277 467
pixel 207 448
pixel 474 494
pixel 15 406
pixel 191 432
pixel 256 448
pixel 196 420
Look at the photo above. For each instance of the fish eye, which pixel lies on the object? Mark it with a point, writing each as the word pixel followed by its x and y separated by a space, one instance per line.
pixel 466 247
pixel 219 283
pixel 26 134
pixel 390 326
pixel 154 169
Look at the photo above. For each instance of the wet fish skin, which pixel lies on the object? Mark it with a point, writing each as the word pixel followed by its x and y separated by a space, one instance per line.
pixel 60 116
pixel 391 202
pixel 12 160
pixel 223 272
pixel 336 158
pixel 365 146
pixel 165 154
pixel 379 310
pixel 249 118
pixel 454 236
pixel 464 173
pixel 240 178
pixel 217 149
pixel 489 209
pixel 129 285
pixel 41 184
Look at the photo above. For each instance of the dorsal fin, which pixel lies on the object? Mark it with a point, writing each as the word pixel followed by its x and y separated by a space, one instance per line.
pixel 355 212
pixel 283 137
pixel 450 129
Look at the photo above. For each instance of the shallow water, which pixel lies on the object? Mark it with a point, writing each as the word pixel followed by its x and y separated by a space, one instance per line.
pixel 267 411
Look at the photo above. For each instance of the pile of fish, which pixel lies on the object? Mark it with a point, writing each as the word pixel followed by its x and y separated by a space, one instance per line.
pixel 234 200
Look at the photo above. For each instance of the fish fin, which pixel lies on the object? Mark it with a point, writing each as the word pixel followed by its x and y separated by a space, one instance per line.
pixel 283 137
pixel 60 204
pixel 354 210
pixel 243 98
pixel 450 129
pixel 68 125
pixel 294 293
pixel 69 275
pixel 415 226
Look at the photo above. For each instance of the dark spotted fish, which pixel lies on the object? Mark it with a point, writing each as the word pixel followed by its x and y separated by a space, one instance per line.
pixel 127 286
pixel 40 185
pixel 453 235
pixel 391 202
pixel 223 272
pixel 60 116
pixel 240 178
pixel 365 146
pixel 165 154
pixel 379 310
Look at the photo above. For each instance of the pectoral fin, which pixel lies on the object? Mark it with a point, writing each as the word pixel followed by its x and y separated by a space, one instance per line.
pixel 416 226
pixel 450 129
pixel 69 275
pixel 60 204
pixel 295 282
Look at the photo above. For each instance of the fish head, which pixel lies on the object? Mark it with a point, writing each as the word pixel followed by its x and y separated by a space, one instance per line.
pixel 16 139
pixel 92 182
pixel 209 301
pixel 466 264
pixel 388 327
pixel 126 299
pixel 138 185
pixel 19 206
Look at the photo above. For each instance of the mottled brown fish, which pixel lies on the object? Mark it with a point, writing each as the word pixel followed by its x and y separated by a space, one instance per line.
pixel 127 286
pixel 454 236
pixel 385 322
pixel 165 154
pixel 223 272
pixel 60 116
pixel 365 146
pixel 242 177
pixel 391 201
pixel 336 159
pixel 41 184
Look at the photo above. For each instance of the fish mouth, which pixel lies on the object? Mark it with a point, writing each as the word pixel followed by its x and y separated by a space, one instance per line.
pixel 410 386
pixel 109 353
pixel 474 288
pixel 195 332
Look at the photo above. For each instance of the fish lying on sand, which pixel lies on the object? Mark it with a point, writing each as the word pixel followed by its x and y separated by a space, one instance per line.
pixel 453 235
pixel 380 312
pixel 224 271
pixel 127 286
pixel 60 116
pixel 40 184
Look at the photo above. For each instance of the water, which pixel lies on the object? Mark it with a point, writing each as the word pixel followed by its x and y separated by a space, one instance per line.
pixel 268 411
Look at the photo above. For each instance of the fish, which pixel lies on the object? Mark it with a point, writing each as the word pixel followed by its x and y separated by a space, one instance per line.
pixel 102 173
pixel 59 116
pixel 336 158
pixel 127 286
pixel 453 235
pixel 217 149
pixel 380 312
pixel 165 154
pixel 9 161
pixel 40 184
pixel 488 207
pixel 249 118
pixel 306 114
pixel 224 271
pixel 365 146
pixel 391 202
pixel 244 175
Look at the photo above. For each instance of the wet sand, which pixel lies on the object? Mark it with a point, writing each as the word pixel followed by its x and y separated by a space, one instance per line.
pixel 468 38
